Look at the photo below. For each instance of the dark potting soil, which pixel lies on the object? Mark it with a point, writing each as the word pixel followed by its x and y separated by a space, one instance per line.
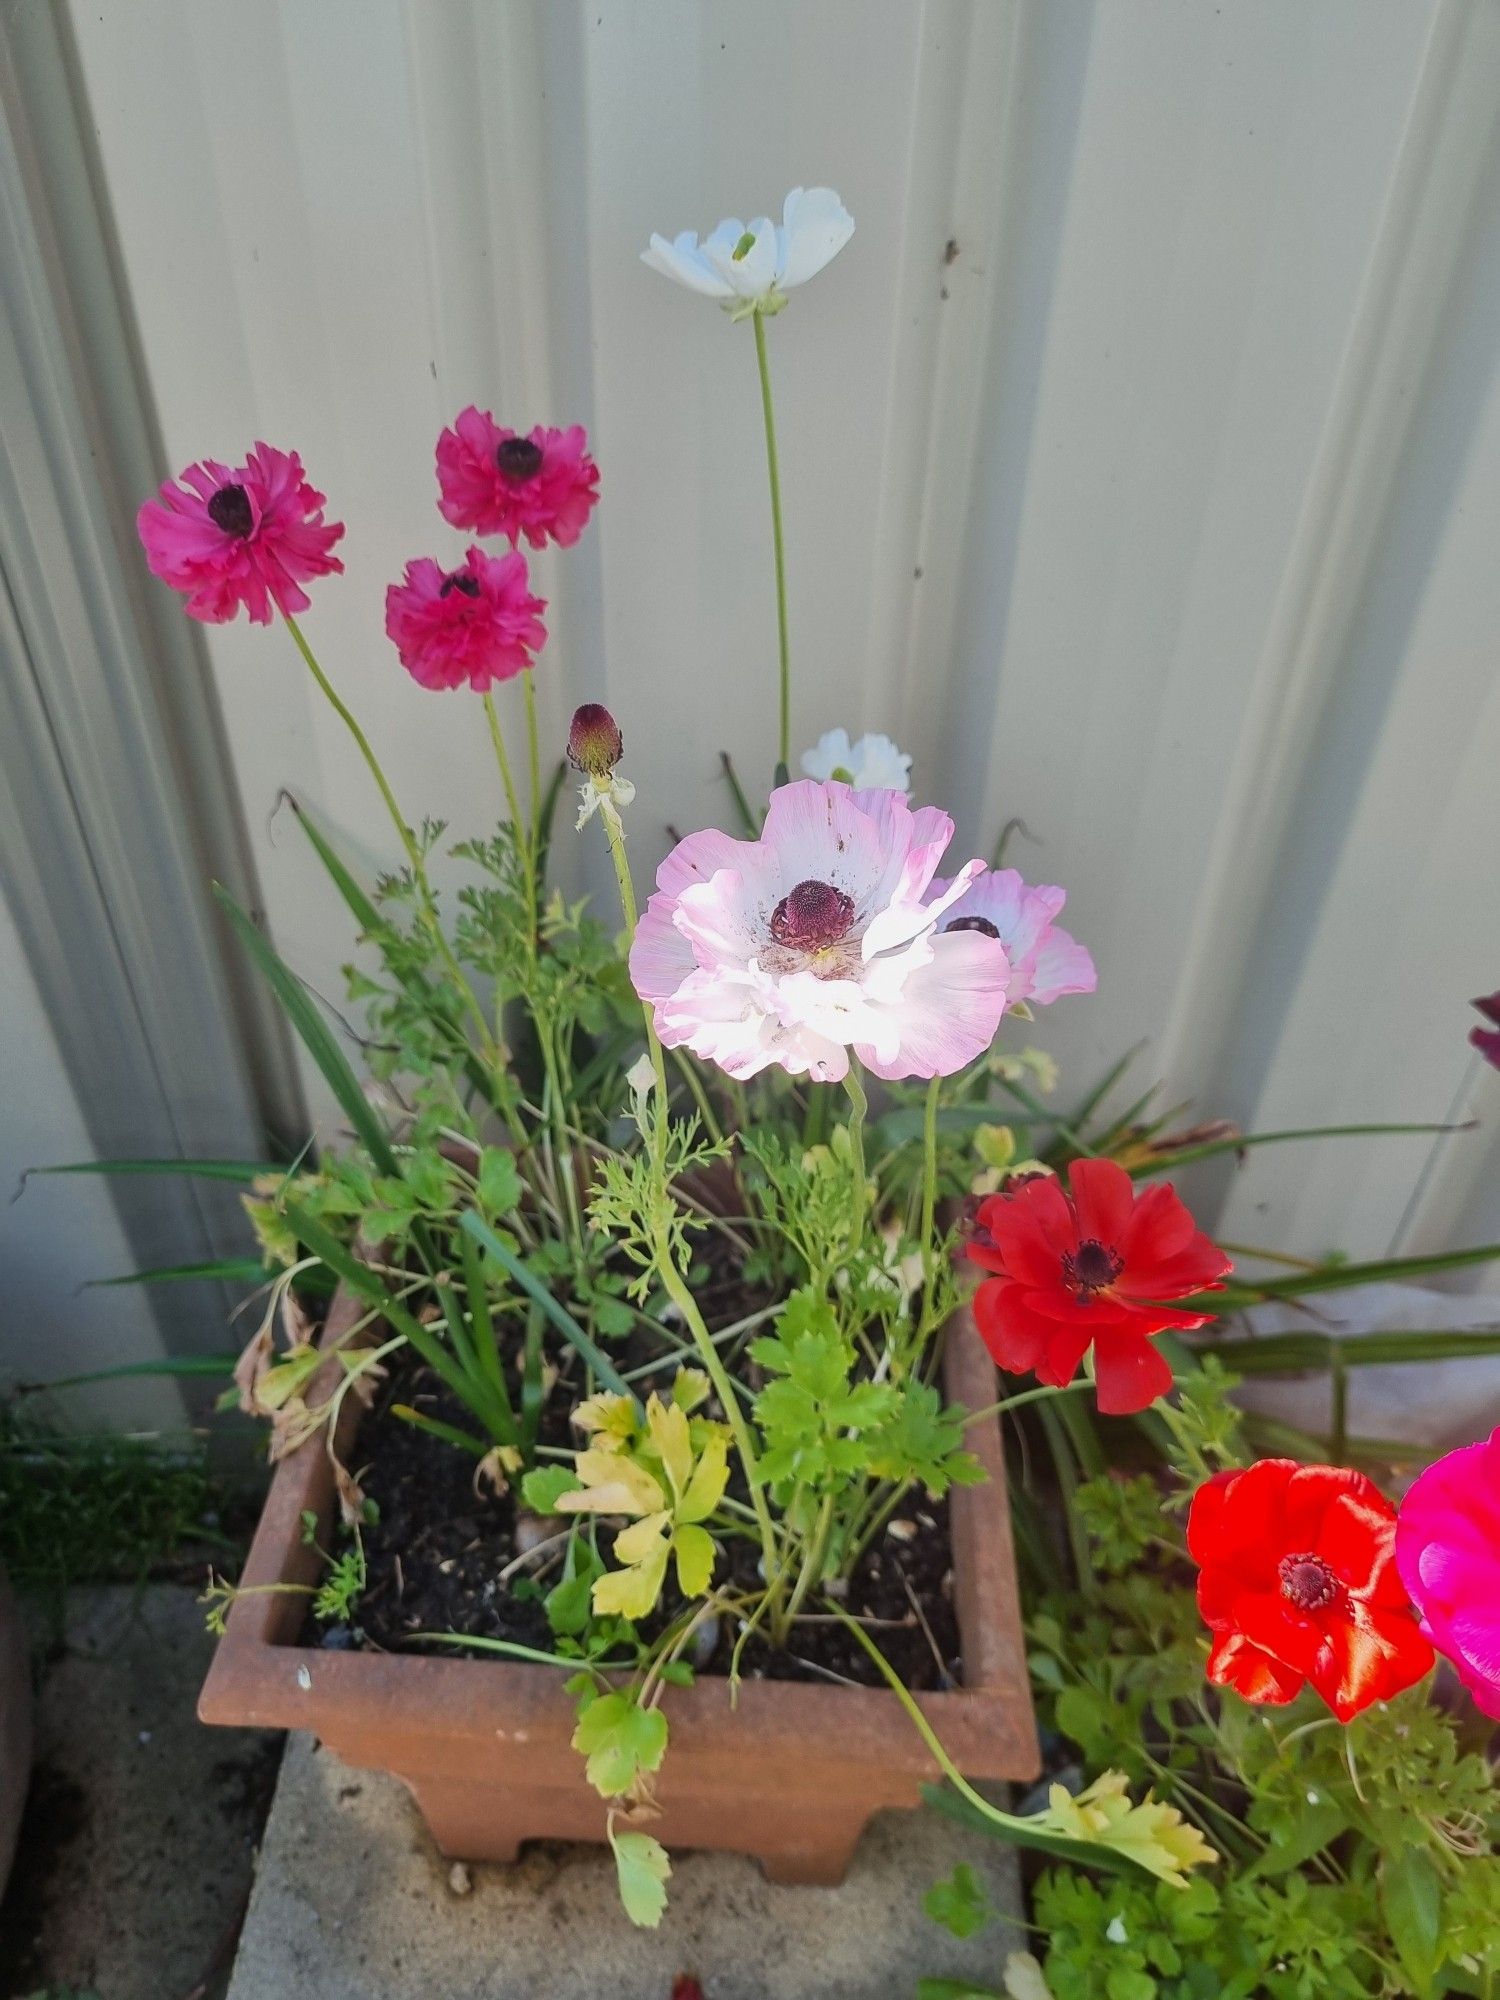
pixel 437 1552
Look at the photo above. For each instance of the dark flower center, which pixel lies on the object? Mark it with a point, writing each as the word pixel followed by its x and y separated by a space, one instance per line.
pixel 1091 1267
pixel 518 458
pixel 229 510
pixel 460 580
pixel 1307 1582
pixel 973 924
pixel 812 917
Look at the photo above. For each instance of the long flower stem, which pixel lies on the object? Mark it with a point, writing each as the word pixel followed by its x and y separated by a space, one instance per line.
pixel 929 1179
pixel 398 820
pixel 615 834
pixel 528 682
pixel 524 834
pixel 778 542
pixel 859 1104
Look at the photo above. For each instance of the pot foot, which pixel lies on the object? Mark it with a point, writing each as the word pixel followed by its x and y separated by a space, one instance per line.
pixel 818 1860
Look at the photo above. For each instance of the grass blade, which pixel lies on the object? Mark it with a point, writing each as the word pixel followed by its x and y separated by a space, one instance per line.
pixel 243 1171
pixel 315 1035
pixel 230 1270
pixel 1170 1161
pixel 560 1317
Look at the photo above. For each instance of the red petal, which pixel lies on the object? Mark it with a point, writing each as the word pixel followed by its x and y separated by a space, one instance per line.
pixel 1243 1528
pixel 1358 1542
pixel 1160 1226
pixel 1015 1338
pixel 1023 1243
pixel 1234 1663
pixel 1103 1197
pixel 1065 1349
pixel 1131 1372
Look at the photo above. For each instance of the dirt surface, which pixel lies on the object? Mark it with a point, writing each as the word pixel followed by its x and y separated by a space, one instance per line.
pixel 437 1553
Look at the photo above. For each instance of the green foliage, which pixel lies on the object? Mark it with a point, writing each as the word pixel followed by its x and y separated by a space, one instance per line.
pixel 960 1903
pixel 622 1742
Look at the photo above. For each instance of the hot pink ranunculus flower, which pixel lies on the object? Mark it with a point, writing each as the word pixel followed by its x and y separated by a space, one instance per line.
pixel 816 939
pixel 466 627
pixel 1448 1554
pixel 495 482
pixel 246 535
pixel 1044 961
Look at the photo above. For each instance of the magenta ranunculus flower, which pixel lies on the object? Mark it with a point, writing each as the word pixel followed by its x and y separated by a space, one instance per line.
pixel 816 939
pixel 1044 961
pixel 1448 1555
pixel 249 535
pixel 495 482
pixel 1487 1040
pixel 466 627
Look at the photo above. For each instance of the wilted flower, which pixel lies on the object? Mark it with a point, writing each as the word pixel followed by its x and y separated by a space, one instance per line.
pixel 246 535
pixel 1044 961
pixel 872 764
pixel 1487 1040
pixel 1448 1553
pixel 466 627
pixel 495 482
pixel 814 939
pixel 1089 1266
pixel 1154 1836
pixel 1299 1584
pixel 752 269
pixel 595 746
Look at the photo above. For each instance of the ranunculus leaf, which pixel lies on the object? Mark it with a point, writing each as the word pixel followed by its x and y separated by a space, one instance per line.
pixel 642 1865
pixel 620 1741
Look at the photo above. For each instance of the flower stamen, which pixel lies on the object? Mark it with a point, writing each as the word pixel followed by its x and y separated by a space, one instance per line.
pixel 1307 1582
pixel 460 580
pixel 229 510
pixel 1091 1268
pixel 980 924
pixel 812 917
pixel 518 459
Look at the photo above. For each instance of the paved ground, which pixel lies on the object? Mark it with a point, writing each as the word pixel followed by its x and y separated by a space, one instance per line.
pixel 352 1902
pixel 137 1849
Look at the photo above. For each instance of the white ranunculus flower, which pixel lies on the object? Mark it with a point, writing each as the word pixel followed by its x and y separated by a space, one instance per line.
pixel 872 764
pixel 752 269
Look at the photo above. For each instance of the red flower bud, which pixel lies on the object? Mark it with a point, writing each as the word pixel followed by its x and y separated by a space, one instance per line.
pixel 594 741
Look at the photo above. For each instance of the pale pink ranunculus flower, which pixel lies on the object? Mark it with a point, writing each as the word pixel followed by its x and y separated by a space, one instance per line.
pixel 816 939
pixel 1448 1556
pixel 1044 961
pixel 246 535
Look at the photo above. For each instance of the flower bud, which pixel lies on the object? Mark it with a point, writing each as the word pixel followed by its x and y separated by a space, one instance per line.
pixel 594 741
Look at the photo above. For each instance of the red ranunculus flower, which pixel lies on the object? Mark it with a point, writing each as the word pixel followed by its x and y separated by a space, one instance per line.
pixel 1092 1265
pixel 1299 1583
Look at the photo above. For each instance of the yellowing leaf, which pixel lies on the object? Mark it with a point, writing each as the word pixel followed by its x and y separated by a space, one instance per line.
pixel 668 1426
pixel 690 1388
pixel 612 1484
pixel 632 1592
pixel 620 1741
pixel 642 1867
pixel 706 1487
pixel 278 1384
pixel 607 1417
pixel 694 1550
pixel 1153 1835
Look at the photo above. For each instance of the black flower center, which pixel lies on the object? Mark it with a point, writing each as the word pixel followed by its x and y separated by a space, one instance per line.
pixel 518 458
pixel 814 916
pixel 1091 1267
pixel 1307 1582
pixel 973 924
pixel 229 510
pixel 460 580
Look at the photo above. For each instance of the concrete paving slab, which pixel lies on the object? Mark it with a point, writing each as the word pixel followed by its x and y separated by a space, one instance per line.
pixel 353 1902
pixel 137 1848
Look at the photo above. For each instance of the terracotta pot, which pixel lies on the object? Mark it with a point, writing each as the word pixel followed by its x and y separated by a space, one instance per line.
pixel 15 1724
pixel 791 1774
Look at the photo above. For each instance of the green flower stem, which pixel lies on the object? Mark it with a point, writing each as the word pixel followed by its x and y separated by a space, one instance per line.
pixel 929 1179
pixel 859 1104
pixel 812 1566
pixel 1007 1821
pixel 398 820
pixel 528 682
pixel 768 412
pixel 524 833
pixel 1027 1396
pixel 614 832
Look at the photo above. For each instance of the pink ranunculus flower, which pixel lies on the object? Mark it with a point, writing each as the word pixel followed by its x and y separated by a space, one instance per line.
pixel 816 939
pixel 466 627
pixel 1448 1556
pixel 1044 961
pixel 495 482
pixel 248 535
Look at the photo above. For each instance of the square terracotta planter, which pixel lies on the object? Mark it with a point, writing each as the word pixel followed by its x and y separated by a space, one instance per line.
pixel 790 1774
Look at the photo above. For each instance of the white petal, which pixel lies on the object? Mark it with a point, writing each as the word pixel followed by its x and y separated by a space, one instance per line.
pixel 684 262
pixel 815 227
pixel 832 752
pixel 752 275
